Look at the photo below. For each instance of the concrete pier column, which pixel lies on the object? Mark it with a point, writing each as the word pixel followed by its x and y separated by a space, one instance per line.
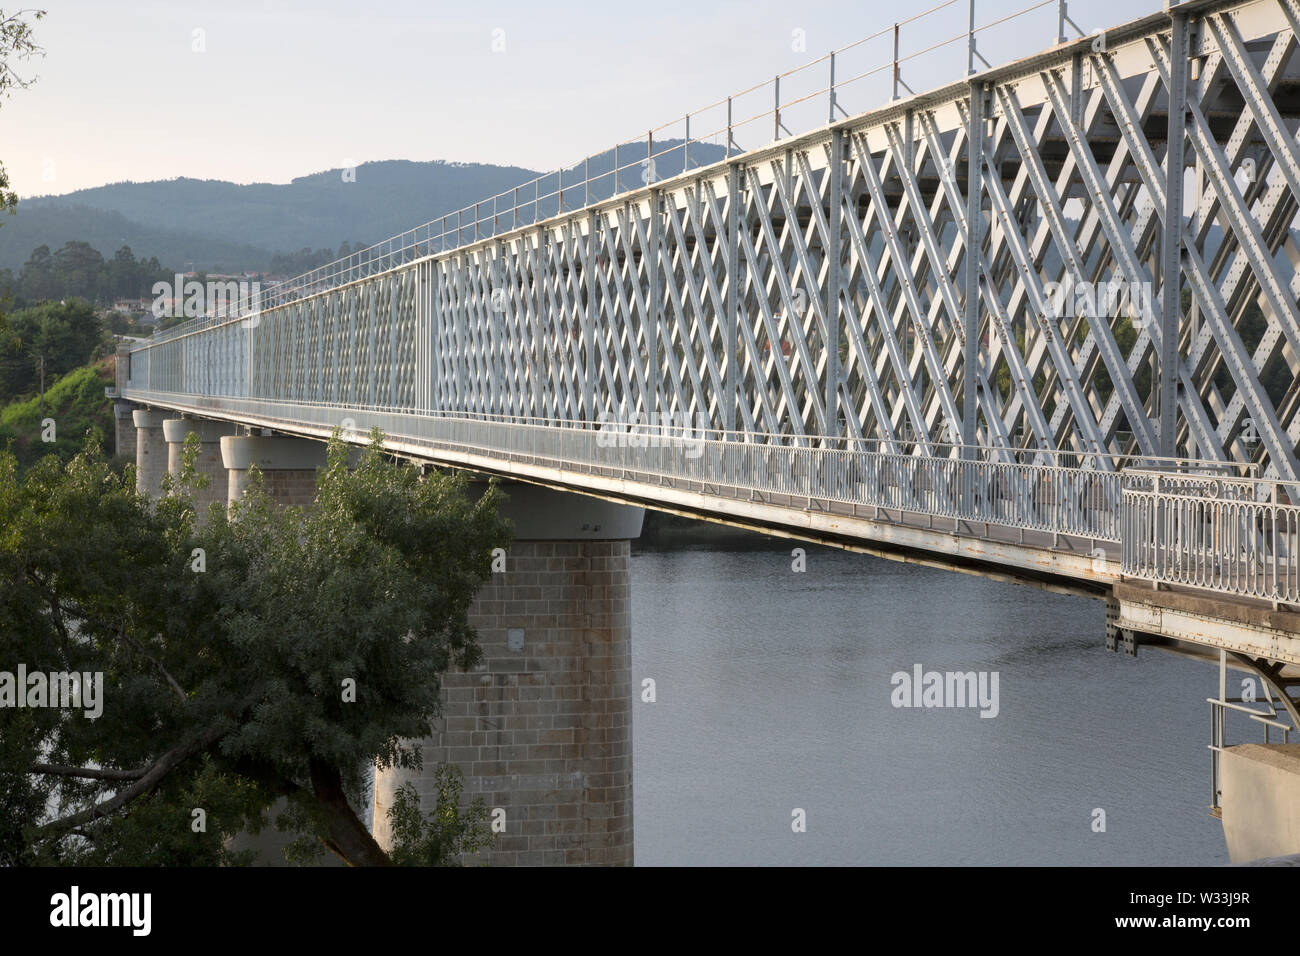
pixel 150 449
pixel 124 430
pixel 209 461
pixel 543 727
pixel 1260 797
pixel 288 466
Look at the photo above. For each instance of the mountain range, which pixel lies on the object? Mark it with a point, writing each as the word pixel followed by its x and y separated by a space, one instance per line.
pixel 221 226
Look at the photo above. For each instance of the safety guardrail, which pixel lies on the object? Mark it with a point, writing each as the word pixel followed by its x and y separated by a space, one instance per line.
pixel 963 485
pixel 1235 536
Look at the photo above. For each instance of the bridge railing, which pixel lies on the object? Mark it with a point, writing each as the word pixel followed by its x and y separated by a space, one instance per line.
pixel 1050 498
pixel 1236 536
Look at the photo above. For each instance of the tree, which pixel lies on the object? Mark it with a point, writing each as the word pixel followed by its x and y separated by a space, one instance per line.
pixel 36 279
pixel 79 271
pixel 16 45
pixel 123 274
pixel 62 335
pixel 308 647
pixel 440 837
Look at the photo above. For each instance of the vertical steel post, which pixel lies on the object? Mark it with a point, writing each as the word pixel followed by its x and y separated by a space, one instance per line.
pixel 732 320
pixel 589 322
pixel 970 40
pixel 655 307
pixel 895 95
pixel 729 138
pixel 686 145
pixel 1076 90
pixel 833 282
pixel 974 247
pixel 1172 242
pixel 776 107
pixel 538 324
pixel 831 90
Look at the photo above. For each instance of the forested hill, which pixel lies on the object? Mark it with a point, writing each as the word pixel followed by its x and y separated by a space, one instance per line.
pixel 222 226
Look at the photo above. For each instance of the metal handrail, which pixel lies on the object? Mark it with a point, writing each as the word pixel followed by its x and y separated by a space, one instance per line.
pixel 1030 497
pixel 1224 541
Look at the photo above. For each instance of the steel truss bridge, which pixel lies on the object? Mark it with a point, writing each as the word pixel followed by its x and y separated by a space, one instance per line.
pixel 871 333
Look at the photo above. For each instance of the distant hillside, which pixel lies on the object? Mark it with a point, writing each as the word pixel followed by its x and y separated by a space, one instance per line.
pixel 77 404
pixel 221 226
pixel 320 210
pixel 53 224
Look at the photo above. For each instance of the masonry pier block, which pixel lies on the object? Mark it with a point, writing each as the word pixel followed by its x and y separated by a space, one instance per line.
pixel 288 466
pixel 209 460
pixel 124 430
pixel 150 449
pixel 543 727
pixel 1261 800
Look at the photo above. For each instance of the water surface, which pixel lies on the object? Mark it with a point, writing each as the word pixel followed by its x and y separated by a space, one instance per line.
pixel 773 693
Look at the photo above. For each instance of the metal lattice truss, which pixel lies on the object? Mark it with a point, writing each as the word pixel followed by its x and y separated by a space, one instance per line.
pixel 916 276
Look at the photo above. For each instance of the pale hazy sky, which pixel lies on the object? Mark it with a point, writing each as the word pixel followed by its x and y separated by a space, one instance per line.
pixel 283 88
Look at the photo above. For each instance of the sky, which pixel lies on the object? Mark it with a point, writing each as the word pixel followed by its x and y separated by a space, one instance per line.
pixel 268 90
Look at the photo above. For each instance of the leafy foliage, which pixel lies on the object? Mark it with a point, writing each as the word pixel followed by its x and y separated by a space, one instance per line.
pixel 78 270
pixel 226 685
pixel 17 43
pixel 442 836
pixel 65 335
pixel 77 404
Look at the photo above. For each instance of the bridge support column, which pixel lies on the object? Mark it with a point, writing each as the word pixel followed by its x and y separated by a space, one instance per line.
pixel 288 466
pixel 1260 786
pixel 209 461
pixel 543 727
pixel 124 429
pixel 150 450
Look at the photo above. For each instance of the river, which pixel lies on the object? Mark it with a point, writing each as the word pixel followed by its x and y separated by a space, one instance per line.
pixel 773 694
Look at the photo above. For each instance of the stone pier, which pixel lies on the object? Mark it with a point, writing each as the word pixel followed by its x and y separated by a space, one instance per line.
pixel 150 449
pixel 543 727
pixel 124 442
pixel 288 466
pixel 209 461
pixel 1260 798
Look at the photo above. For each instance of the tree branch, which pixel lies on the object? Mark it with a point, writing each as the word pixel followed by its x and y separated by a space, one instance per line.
pixel 158 664
pixel 152 777
pixel 89 773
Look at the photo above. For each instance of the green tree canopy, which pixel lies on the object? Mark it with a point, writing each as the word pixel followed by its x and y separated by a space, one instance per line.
pixel 66 334
pixel 227 688
pixel 16 44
